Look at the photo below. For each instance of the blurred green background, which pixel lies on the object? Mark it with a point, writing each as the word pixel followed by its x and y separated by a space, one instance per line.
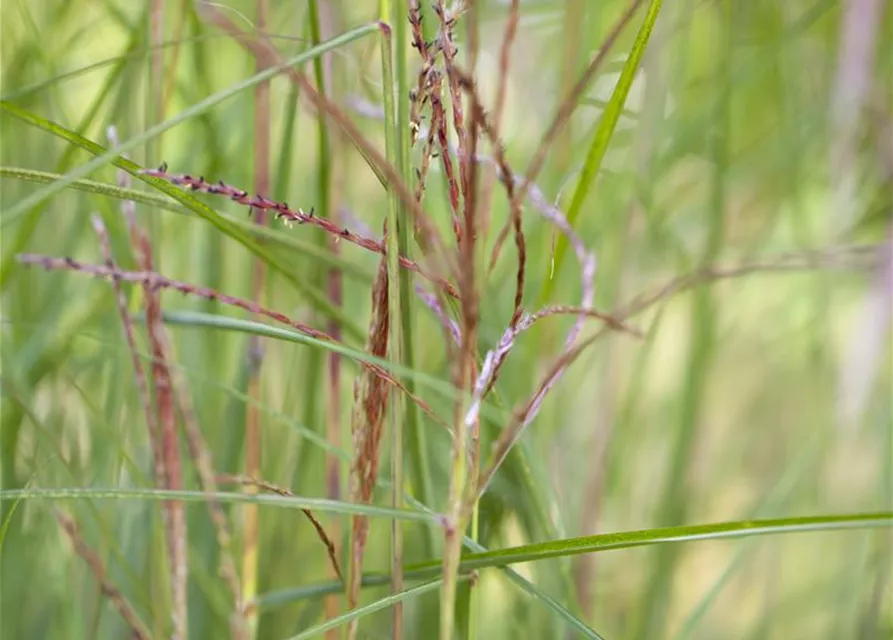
pixel 765 395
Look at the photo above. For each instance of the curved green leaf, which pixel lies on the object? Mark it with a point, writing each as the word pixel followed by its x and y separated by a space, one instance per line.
pixel 227 323
pixel 628 539
pixel 607 542
pixel 605 130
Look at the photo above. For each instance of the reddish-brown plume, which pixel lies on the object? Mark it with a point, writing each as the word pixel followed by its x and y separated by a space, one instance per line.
pixel 370 405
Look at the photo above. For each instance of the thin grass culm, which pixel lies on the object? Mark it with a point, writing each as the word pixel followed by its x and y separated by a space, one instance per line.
pixel 445 319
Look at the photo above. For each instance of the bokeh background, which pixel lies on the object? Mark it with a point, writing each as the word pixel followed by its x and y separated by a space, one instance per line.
pixel 755 132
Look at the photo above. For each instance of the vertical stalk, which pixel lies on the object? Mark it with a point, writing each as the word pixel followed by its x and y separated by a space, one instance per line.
pixel 604 131
pixel 417 437
pixel 702 342
pixel 394 156
pixel 155 99
pixel 464 432
pixel 330 279
pixel 168 91
pixel 473 207
pixel 615 265
pixel 251 529
pixel 571 66
pixel 453 525
pixel 572 27
pixel 176 518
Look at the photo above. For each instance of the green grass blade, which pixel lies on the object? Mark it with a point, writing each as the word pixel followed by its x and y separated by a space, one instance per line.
pixel 112 349
pixel 197 319
pixel 226 323
pixel 26 231
pixel 41 364
pixel 133 54
pixel 667 535
pixel 287 596
pixel 378 605
pixel 274 236
pixel 194 110
pixel 607 542
pixel 322 505
pixel 219 222
pixel 93 186
pixel 774 499
pixel 296 594
pixel 416 434
pixel 395 346
pixel 704 341
pixel 7 520
pixel 603 133
pixel 537 594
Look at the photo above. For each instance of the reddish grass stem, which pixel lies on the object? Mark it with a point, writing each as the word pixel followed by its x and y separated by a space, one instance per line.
pixel 296 216
pixel 247 481
pixel 370 406
pixel 197 447
pixel 138 630
pixel 167 456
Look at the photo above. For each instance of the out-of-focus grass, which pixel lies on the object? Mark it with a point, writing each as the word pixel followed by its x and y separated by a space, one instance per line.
pixel 726 411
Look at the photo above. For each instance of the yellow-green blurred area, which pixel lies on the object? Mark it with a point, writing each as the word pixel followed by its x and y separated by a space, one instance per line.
pixel 754 148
